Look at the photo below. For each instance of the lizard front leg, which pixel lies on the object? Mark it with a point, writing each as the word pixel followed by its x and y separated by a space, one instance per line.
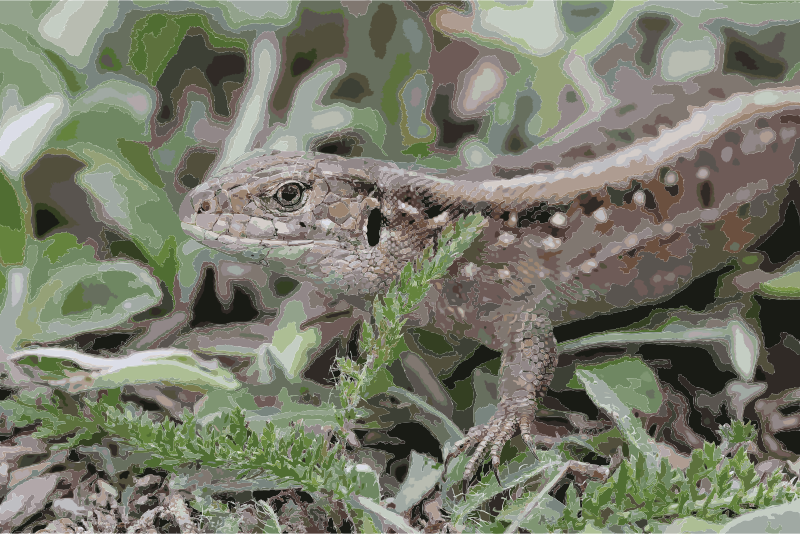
pixel 526 371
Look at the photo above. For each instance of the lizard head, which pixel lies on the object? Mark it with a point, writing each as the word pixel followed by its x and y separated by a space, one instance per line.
pixel 352 223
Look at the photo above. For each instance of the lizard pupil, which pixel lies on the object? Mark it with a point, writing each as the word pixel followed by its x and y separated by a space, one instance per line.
pixel 289 196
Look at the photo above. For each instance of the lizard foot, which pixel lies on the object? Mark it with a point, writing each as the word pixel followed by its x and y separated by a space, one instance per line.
pixel 526 371
pixel 512 413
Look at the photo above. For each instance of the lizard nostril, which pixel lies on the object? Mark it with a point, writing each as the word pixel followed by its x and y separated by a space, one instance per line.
pixel 205 206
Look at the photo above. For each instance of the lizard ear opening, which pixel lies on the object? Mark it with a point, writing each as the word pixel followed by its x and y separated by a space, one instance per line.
pixel 374 222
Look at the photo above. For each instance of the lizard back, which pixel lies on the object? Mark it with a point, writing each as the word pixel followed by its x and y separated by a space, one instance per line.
pixel 629 228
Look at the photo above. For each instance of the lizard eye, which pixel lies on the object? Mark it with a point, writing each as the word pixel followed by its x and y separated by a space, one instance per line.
pixel 290 196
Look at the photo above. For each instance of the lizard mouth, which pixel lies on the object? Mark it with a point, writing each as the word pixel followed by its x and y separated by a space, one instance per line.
pixel 257 249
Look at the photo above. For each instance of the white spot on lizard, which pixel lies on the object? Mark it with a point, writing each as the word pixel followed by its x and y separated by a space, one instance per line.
pixel 726 154
pixel 512 219
pixel 441 218
pixel 600 215
pixel 588 266
pixel 470 270
pixel 551 242
pixel 402 206
pixel 506 238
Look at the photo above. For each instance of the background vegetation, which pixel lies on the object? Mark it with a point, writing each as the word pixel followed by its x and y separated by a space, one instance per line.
pixel 135 371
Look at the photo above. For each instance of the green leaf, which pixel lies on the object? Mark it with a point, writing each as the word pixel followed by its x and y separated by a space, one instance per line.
pixel 131 201
pixel 786 286
pixel 86 297
pixel 781 518
pixel 737 432
pixel 630 379
pixel 366 481
pixel 631 428
pixel 155 40
pixel 12 226
pixel 423 474
pixel 108 53
pixel 74 81
pixel 75 371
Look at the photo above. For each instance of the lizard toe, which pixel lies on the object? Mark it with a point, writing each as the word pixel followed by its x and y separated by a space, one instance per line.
pixel 477 456
pixel 525 431
pixel 460 447
pixel 496 469
pixel 511 414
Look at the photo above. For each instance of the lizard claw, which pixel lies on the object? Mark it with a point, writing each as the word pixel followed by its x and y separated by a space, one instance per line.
pixel 495 466
pixel 467 482
pixel 510 415
pixel 525 430
pixel 461 446
pixel 476 434
pixel 475 462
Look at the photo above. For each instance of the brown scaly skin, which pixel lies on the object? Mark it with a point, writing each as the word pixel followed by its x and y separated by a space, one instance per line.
pixel 626 229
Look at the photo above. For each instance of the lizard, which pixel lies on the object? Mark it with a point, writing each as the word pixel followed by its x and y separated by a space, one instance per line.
pixel 621 229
